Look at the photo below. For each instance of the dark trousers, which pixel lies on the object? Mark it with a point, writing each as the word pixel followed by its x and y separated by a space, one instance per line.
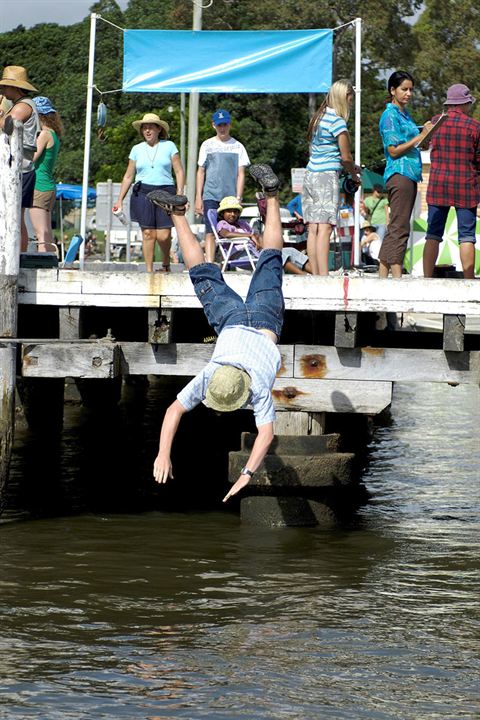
pixel 401 197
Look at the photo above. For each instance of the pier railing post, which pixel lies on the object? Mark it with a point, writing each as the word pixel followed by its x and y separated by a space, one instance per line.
pixel 11 156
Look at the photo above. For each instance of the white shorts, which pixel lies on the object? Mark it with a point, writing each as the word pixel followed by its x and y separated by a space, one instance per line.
pixel 320 197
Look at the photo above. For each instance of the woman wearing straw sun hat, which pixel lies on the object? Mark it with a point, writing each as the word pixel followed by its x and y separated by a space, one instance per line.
pixel 150 166
pixel 14 86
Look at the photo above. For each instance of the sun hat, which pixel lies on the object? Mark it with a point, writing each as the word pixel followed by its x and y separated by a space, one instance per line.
pixel 150 118
pixel 221 117
pixel 459 95
pixel 366 225
pixel 229 203
pixel 16 76
pixel 228 389
pixel 43 105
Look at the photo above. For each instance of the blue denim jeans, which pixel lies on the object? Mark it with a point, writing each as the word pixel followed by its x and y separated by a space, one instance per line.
pixel 466 222
pixel 264 305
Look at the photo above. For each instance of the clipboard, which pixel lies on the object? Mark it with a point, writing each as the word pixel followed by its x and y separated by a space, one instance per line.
pixel 435 127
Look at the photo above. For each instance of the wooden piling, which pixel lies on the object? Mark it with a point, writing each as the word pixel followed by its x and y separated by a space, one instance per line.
pixel 11 155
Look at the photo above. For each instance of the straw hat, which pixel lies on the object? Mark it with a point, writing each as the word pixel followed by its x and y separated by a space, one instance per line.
pixel 367 224
pixel 151 118
pixel 229 203
pixel 16 76
pixel 228 389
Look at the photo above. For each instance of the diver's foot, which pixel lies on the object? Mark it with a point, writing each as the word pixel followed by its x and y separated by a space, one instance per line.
pixel 266 178
pixel 175 204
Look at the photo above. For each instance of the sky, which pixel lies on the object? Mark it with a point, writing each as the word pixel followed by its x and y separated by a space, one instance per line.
pixel 32 12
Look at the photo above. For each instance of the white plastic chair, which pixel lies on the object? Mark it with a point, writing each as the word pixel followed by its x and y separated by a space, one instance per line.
pixel 229 247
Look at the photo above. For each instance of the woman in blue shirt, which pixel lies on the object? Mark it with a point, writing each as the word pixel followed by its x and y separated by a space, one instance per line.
pixel 403 171
pixel 150 164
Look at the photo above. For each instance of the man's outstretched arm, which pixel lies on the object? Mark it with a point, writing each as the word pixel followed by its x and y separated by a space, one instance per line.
pixel 259 450
pixel 162 467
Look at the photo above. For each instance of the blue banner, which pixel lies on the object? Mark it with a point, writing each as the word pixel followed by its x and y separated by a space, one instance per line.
pixel 258 61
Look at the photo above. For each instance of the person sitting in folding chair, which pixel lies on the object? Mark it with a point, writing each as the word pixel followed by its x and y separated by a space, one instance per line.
pixel 230 226
pixel 246 359
pixel 234 237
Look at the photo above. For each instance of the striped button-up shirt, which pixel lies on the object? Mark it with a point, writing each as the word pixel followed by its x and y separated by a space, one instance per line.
pixel 250 350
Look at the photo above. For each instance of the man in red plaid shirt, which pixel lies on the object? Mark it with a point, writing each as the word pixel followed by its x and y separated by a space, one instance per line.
pixel 455 164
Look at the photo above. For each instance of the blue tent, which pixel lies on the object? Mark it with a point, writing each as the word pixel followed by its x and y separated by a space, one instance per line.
pixel 74 192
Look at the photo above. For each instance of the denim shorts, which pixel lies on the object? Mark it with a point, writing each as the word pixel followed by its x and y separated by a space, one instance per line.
pixel 466 223
pixel 264 306
pixel 148 215
pixel 209 205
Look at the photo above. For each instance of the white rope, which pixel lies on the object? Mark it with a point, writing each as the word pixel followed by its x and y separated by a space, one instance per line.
pixel 106 92
pixel 352 22
pixel 99 17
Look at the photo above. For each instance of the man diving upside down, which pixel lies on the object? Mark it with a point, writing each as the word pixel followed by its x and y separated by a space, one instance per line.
pixel 246 358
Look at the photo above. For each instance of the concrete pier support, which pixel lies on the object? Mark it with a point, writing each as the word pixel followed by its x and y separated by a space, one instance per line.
pixel 303 481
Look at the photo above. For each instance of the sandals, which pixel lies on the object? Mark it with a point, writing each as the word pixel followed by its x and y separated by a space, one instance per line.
pixel 175 204
pixel 266 178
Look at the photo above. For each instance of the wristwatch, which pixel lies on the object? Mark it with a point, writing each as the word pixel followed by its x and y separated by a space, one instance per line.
pixel 246 471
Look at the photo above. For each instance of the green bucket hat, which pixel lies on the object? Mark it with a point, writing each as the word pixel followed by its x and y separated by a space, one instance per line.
pixel 228 389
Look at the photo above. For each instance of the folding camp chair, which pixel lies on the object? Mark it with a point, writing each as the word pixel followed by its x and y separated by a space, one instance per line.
pixel 293 229
pixel 230 247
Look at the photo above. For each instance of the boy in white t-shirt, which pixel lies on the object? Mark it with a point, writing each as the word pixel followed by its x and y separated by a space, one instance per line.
pixel 221 173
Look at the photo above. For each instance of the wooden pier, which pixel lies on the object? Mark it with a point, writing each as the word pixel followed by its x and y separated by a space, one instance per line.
pixel 110 321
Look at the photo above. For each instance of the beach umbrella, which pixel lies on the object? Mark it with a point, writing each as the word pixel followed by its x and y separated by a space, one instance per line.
pixel 449 252
pixel 369 179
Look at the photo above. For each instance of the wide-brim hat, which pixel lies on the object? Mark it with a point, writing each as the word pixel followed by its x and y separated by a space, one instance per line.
pixel 228 389
pixel 150 118
pixel 229 203
pixel 366 225
pixel 16 76
pixel 459 94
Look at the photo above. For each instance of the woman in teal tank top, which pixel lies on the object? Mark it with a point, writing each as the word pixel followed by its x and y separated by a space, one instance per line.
pixel 45 158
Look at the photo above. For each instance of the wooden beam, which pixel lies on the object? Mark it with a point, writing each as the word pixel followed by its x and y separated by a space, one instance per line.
pixel 340 294
pixel 339 396
pixel 386 364
pixel 85 360
pixel 453 333
pixel 346 330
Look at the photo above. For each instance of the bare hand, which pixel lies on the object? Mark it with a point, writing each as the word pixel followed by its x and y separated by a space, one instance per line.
pixel 117 207
pixel 162 469
pixel 427 127
pixel 239 485
pixel 199 207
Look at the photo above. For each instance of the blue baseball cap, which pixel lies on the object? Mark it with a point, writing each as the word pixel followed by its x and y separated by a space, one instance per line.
pixel 221 117
pixel 43 105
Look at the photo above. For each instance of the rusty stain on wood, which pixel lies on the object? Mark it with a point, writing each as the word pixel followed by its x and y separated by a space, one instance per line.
pixel 380 352
pixel 30 360
pixel 287 394
pixel 283 368
pixel 313 366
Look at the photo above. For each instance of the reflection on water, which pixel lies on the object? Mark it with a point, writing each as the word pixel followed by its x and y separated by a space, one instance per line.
pixel 189 615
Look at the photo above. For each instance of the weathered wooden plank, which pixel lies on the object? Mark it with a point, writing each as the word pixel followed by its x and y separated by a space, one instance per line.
pixel 299 424
pixel 160 326
pixel 386 364
pixel 339 396
pixel 95 360
pixel 69 299
pixel 346 330
pixel 185 359
pixel 70 323
pixel 453 333
pixel 349 294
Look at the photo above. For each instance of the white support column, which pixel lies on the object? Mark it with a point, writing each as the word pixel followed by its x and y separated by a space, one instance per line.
pixel 358 107
pixel 193 129
pixel 88 131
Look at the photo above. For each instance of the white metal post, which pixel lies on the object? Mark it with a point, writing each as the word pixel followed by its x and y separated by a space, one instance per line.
pixel 88 131
pixel 193 129
pixel 358 108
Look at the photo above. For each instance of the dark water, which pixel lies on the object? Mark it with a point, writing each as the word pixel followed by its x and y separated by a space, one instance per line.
pixel 190 615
